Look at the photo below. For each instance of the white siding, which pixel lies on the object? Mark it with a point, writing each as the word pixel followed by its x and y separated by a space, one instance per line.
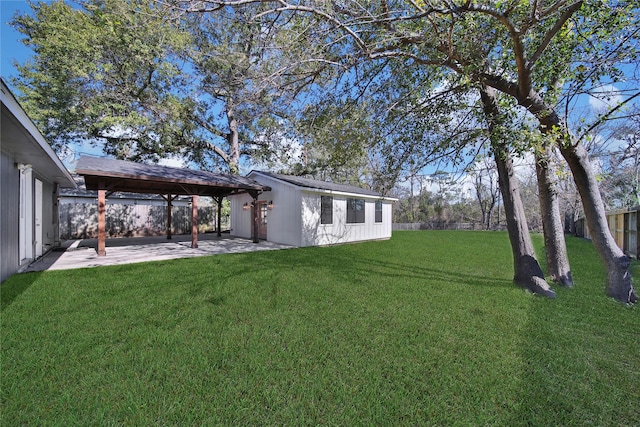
pixel 295 216
pixel 240 219
pixel 283 221
pixel 9 216
pixel 339 231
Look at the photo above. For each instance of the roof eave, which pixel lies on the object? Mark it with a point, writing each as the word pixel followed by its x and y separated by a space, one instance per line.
pixel 48 156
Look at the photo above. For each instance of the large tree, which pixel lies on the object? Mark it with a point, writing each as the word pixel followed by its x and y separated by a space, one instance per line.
pixel 107 74
pixel 510 46
pixel 239 98
pixel 143 81
pixel 527 271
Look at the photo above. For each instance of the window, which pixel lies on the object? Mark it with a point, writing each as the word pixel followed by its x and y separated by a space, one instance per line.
pixel 355 211
pixel 326 210
pixel 378 210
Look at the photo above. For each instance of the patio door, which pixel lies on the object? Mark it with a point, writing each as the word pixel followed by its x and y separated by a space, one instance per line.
pixel 262 219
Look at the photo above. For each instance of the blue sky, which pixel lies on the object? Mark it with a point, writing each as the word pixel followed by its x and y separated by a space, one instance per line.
pixel 12 49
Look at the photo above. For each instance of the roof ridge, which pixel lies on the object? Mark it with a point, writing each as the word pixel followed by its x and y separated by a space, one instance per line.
pixel 301 181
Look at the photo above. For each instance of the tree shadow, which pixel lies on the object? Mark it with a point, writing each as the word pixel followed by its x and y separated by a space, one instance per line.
pixel 15 286
pixel 398 271
pixel 576 354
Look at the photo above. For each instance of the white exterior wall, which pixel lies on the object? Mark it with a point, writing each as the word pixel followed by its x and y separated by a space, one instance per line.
pixel 339 231
pixel 283 221
pixel 295 216
pixel 28 168
pixel 240 219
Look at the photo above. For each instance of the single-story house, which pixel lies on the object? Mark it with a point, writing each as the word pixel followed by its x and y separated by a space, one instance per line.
pixel 305 212
pixel 31 175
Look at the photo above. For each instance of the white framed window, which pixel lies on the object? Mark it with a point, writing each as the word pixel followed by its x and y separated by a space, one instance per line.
pixel 326 209
pixel 355 211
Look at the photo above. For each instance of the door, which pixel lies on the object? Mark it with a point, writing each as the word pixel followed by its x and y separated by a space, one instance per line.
pixel 262 219
pixel 37 219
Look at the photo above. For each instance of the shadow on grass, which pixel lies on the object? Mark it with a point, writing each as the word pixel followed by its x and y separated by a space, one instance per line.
pixel 347 265
pixel 15 286
pixel 579 353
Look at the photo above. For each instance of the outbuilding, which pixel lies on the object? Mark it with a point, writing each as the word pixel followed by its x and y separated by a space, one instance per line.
pixel 299 211
pixel 31 178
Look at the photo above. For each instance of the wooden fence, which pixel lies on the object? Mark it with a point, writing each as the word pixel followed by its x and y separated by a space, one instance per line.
pixel 443 225
pixel 624 226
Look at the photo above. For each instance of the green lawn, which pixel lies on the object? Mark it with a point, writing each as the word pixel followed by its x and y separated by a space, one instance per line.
pixel 423 329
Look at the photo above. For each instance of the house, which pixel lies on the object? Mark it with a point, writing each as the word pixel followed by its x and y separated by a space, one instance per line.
pixel 305 212
pixel 31 176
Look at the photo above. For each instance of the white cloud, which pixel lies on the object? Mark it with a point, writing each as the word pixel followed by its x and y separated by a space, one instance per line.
pixel 176 162
pixel 607 96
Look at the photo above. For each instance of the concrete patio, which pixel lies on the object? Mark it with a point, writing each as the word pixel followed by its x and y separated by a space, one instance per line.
pixel 82 253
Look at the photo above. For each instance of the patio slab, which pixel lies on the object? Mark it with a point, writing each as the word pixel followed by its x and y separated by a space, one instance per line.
pixel 82 253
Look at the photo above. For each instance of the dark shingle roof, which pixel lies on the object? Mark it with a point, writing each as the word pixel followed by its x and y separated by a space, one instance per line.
pixel 320 185
pixel 120 175
pixel 81 192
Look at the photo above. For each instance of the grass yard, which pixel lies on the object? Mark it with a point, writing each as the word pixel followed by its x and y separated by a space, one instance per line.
pixel 423 329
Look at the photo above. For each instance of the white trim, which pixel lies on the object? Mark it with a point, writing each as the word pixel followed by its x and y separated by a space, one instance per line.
pixel 312 190
pixel 10 102
pixel 38 235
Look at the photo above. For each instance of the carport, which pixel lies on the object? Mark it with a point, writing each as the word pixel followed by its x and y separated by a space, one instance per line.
pixel 108 176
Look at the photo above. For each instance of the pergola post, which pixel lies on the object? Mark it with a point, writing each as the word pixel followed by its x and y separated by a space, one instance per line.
pixel 101 222
pixel 219 222
pixel 194 221
pixel 256 215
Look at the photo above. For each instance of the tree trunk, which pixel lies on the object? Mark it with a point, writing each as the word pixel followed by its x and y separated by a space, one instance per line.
pixel 616 262
pixel 527 271
pixel 233 138
pixel 555 245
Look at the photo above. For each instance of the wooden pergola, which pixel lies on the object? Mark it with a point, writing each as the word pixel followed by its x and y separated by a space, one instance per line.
pixel 109 175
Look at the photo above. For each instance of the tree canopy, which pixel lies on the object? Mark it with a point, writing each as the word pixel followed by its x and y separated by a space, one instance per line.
pixel 145 81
